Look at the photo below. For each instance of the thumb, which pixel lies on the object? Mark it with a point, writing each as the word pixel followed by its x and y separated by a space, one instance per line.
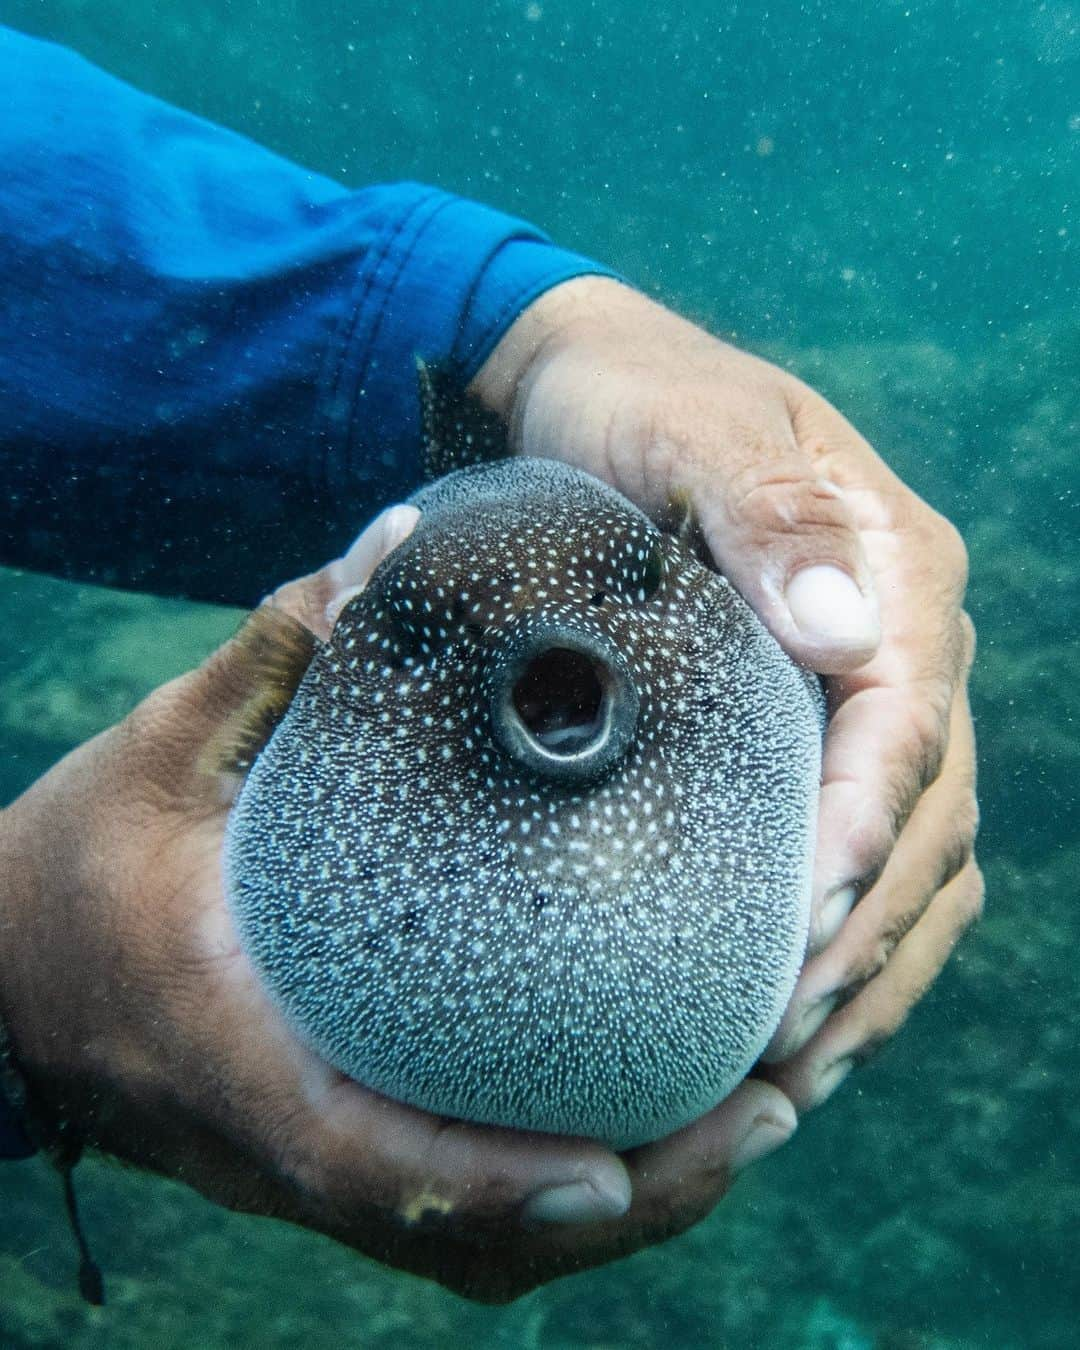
pixel 206 726
pixel 786 537
pixel 316 600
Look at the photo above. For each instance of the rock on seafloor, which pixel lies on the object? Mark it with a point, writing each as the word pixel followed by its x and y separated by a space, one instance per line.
pixel 531 845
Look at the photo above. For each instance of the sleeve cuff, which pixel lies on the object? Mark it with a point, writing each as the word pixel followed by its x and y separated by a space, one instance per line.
pixel 451 278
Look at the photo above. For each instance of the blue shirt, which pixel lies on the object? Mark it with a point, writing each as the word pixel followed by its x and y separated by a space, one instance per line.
pixel 207 354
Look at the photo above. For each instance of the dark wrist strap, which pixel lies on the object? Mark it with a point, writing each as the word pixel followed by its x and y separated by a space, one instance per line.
pixel 16 1142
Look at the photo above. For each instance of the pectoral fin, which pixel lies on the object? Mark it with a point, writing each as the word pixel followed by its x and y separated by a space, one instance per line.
pixel 457 429
pixel 272 652
pixel 680 519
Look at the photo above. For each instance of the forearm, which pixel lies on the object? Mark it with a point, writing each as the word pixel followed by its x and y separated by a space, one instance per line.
pixel 207 354
pixel 15 1141
pixel 58 951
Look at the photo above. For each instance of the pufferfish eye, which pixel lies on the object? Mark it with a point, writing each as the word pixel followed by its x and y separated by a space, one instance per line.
pixel 434 597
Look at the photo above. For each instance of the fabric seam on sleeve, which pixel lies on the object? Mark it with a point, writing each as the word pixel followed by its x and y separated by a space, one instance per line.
pixel 340 438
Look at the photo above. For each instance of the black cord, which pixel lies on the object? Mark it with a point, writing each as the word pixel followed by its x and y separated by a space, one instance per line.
pixel 63 1152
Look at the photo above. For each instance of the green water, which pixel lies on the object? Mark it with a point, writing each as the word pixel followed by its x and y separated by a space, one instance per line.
pixel 884 199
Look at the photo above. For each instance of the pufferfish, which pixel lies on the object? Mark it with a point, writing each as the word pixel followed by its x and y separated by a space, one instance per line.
pixel 531 845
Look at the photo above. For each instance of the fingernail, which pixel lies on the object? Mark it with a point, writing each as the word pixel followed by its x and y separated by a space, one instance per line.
pixel 394 525
pixel 578 1202
pixel 830 1080
pixel 829 608
pixel 809 1022
pixel 835 908
pixel 765 1136
pixel 398 524
pixel 812 1021
pixel 352 572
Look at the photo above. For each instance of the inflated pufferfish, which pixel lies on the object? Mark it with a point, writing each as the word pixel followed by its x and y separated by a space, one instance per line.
pixel 531 845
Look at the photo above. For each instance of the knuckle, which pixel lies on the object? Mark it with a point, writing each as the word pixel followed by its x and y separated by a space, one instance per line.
pixel 972 896
pixel 928 736
pixel 776 495
pixel 961 842
pixel 306 1170
pixel 968 641
pixel 877 958
pixel 953 551
pixel 919 752
pixel 869 845
pixel 866 967
pixel 879 1018
pixel 946 545
pixel 452 1180
pixel 899 926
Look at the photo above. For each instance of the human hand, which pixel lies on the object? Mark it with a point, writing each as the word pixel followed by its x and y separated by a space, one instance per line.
pixel 136 1017
pixel 858 579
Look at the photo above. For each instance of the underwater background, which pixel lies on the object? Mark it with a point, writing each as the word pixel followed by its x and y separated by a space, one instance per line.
pixel 883 199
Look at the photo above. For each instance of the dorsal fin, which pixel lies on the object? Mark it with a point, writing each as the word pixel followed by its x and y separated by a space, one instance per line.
pixel 457 429
pixel 680 519
pixel 272 651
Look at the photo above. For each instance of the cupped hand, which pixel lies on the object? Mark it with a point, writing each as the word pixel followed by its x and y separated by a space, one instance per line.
pixel 136 1017
pixel 859 580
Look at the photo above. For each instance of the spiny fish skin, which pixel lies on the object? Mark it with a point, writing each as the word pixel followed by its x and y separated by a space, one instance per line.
pixel 601 952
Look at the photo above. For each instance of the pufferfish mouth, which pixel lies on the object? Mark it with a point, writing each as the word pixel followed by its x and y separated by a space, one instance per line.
pixel 562 702
pixel 561 698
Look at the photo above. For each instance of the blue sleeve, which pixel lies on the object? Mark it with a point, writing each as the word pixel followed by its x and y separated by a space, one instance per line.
pixel 207 353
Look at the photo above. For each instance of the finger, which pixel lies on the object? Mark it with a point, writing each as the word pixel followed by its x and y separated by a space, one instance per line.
pixel 936 844
pixel 859 1029
pixel 194 721
pixel 345 1155
pixel 680 1178
pixel 889 722
pixel 720 430
pixel 786 537
pixel 340 1147
pixel 676 1181
pixel 425 1171
pixel 318 599
pixel 886 741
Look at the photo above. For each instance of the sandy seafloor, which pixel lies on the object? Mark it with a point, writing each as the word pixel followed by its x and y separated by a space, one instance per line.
pixel 886 203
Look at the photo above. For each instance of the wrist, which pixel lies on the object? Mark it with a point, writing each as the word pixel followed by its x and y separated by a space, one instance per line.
pixel 16 1133
pixel 41 1031
pixel 12 909
pixel 578 378
pixel 32 1117
pixel 19 934
pixel 557 316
